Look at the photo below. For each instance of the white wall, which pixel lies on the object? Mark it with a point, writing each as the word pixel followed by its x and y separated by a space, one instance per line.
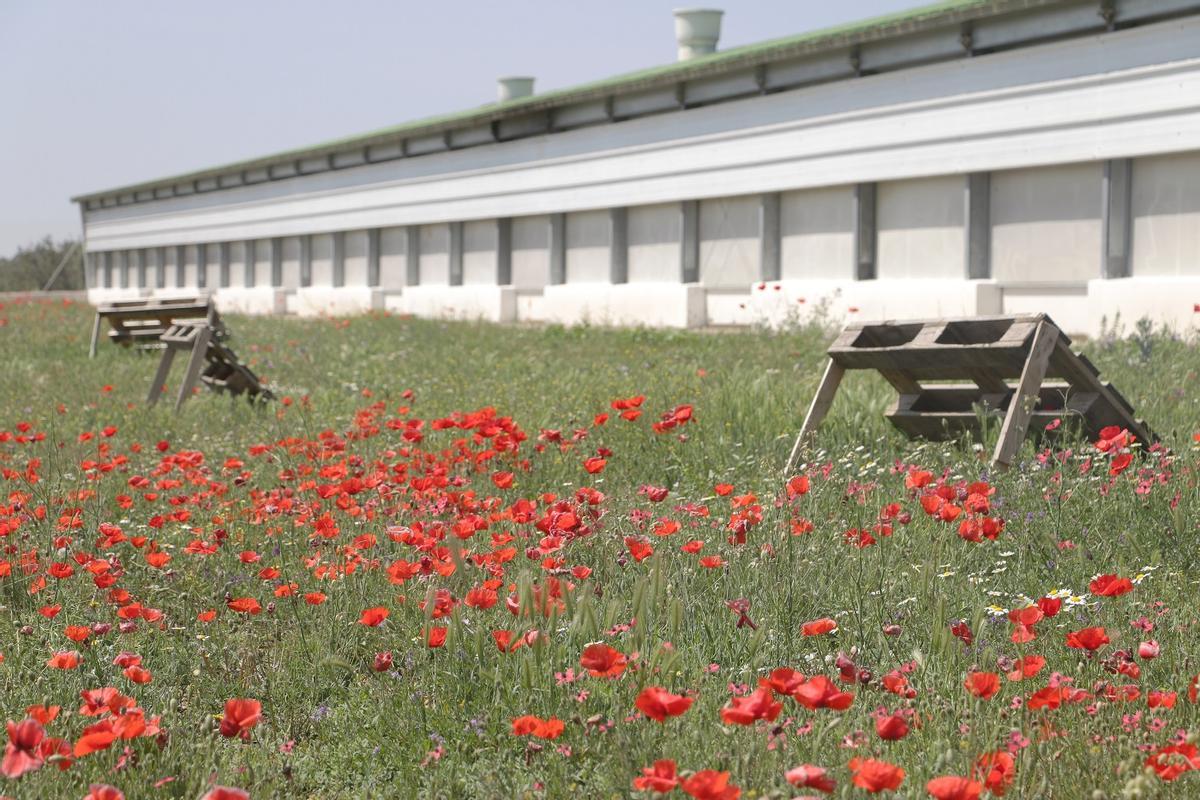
pixel 435 255
pixel 655 235
pixel 1046 223
pixel 291 262
pixel 817 234
pixel 1166 215
pixel 588 245
pixel 530 252
pixel 729 242
pixel 920 228
pixel 262 262
pixel 190 272
pixel 480 241
pixel 355 258
pixel 393 263
pixel 322 259
pixel 237 263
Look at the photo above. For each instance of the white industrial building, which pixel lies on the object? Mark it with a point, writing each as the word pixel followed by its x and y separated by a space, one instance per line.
pixel 973 157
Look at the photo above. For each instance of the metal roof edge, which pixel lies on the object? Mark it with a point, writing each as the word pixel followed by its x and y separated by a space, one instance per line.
pixel 916 20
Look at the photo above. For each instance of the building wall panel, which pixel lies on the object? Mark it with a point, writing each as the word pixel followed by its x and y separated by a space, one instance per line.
pixel 920 228
pixel 290 261
pixel 729 242
pixel 1046 223
pixel 480 256
pixel 530 252
pixel 588 247
pixel 355 258
pixel 655 242
pixel 817 234
pixel 435 255
pixel 1166 215
pixel 322 259
pixel 393 257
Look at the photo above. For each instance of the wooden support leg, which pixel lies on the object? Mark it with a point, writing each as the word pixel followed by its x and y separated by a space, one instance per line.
pixel 817 411
pixel 195 365
pixel 1020 408
pixel 95 335
pixel 160 376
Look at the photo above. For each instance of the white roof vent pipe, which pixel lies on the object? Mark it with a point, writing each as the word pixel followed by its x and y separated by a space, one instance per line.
pixel 696 31
pixel 513 88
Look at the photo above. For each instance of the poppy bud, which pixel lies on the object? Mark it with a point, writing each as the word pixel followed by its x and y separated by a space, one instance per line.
pixel 26 630
pixel 270 608
pixel 383 661
pixel 891 630
pixel 1148 650
pixel 128 626
pixel 101 628
pixel 904 518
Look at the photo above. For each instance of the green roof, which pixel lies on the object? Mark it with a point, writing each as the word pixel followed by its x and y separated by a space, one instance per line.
pixel 911 21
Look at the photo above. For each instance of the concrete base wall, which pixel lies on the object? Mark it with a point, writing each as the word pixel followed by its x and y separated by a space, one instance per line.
pixel 315 301
pixel 100 296
pixel 783 302
pixel 1173 302
pixel 479 302
pixel 654 305
pixel 249 300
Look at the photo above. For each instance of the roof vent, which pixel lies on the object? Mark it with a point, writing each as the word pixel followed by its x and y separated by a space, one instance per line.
pixel 697 31
pixel 513 88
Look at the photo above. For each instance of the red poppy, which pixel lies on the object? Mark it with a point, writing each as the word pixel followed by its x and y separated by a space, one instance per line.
pixel 997 770
pixel 818 627
pixel 1090 639
pixel 102 791
pixel 807 776
pixel 1173 760
pixel 594 465
pixel 709 784
pixel 660 778
pixel 891 728
pixel 784 680
pixel 1110 586
pixel 22 754
pixel 66 659
pixel 874 775
pixel 373 617
pixel 1120 463
pixel 245 605
pixel 983 684
pixel 225 793
pixel 954 787
pixel 658 704
pixel 820 692
pixel 502 480
pixel 1027 667
pixel 537 727
pixel 759 704
pixel 240 716
pixel 602 661
pixel 382 662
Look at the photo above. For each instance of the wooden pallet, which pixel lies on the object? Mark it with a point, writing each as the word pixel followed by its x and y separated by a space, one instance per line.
pixel 989 353
pixel 143 322
pixel 210 362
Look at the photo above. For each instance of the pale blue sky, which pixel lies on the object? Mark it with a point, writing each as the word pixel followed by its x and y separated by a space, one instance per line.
pixel 100 93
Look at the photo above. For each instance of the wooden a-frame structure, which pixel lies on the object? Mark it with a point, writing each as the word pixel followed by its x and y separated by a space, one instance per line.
pixel 983 354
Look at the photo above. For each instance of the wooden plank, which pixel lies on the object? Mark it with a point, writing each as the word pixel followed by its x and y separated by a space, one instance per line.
pixel 95 335
pixel 1020 408
pixel 821 403
pixel 195 363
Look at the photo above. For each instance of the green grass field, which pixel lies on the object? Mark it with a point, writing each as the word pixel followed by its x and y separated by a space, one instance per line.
pixel 380 481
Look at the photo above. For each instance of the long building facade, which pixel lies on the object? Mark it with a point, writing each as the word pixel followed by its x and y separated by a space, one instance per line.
pixel 973 157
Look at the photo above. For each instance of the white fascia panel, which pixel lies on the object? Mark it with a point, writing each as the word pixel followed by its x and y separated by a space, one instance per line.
pixel 1127 112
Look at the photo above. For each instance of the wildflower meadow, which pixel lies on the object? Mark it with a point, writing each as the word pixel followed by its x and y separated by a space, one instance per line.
pixel 457 560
